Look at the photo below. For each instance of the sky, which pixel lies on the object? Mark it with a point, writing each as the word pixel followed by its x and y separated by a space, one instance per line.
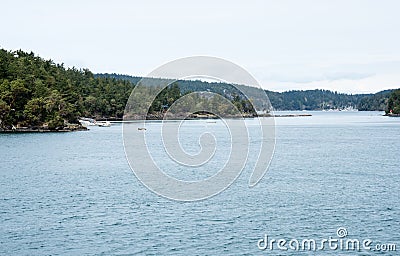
pixel 350 46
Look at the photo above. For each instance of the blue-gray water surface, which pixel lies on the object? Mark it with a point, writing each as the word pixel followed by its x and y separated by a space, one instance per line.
pixel 74 194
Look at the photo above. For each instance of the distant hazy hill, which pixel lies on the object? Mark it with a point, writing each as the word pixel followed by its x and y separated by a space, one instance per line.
pixel 289 100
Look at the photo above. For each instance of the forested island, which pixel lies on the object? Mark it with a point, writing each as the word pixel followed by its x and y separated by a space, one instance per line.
pixel 39 94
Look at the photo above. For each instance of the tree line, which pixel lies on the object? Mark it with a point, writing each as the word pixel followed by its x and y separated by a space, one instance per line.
pixel 35 92
pixel 393 107
pixel 289 100
pixel 39 92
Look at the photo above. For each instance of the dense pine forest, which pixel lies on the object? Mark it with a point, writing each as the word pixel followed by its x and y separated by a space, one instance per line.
pixel 35 92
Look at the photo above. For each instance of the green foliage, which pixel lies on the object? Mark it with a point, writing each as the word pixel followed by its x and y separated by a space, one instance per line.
pixel 166 98
pixel 56 122
pixel 376 101
pixel 4 111
pixel 35 111
pixel 289 100
pixel 394 103
pixel 38 92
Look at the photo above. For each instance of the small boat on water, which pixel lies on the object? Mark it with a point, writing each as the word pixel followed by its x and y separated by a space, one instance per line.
pixel 85 122
pixel 103 124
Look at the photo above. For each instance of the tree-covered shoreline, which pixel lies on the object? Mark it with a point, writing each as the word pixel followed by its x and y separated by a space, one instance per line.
pixel 317 99
pixel 40 94
pixel 393 108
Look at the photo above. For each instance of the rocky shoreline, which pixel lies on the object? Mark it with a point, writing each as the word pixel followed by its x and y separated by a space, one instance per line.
pixel 78 127
pixel 201 116
pixel 393 115
pixel 41 129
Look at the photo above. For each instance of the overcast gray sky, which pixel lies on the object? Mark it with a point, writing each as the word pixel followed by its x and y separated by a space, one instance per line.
pixel 349 46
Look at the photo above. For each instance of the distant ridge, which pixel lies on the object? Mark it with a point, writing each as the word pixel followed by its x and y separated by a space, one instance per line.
pixel 317 99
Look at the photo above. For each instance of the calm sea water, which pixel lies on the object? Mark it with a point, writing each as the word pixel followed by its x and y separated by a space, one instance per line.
pixel 74 193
